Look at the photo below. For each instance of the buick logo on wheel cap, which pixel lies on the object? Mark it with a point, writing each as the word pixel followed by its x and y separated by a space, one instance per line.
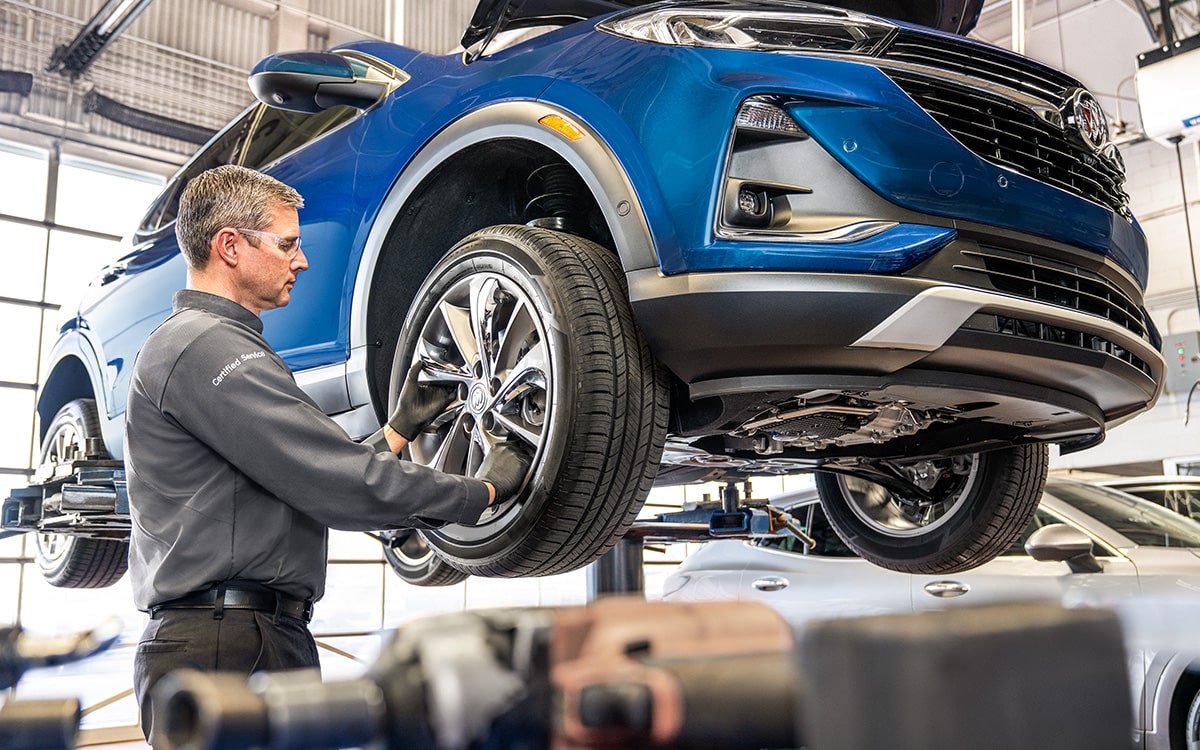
pixel 477 401
pixel 1083 112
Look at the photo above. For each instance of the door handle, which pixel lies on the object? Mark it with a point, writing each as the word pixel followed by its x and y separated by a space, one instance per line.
pixel 771 583
pixel 946 589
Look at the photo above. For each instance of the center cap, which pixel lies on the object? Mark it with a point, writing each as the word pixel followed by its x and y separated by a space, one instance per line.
pixel 477 400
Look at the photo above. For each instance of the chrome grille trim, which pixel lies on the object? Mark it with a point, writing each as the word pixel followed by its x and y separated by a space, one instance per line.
pixel 981 62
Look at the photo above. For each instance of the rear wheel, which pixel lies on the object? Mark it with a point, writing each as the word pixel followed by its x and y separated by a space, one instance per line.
pixel 534 330
pixel 69 561
pixel 957 513
pixel 415 562
pixel 1191 727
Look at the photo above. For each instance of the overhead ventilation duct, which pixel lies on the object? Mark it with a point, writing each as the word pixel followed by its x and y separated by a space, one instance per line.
pixel 113 110
pixel 15 82
pixel 74 58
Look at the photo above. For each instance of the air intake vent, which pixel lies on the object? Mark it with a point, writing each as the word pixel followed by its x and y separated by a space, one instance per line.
pixel 1039 280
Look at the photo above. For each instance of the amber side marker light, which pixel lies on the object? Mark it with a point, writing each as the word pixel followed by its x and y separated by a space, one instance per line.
pixel 562 126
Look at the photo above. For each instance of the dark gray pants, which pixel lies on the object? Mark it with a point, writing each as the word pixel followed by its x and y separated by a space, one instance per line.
pixel 242 641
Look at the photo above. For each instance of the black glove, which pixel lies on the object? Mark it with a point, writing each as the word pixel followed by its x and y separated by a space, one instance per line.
pixel 505 468
pixel 419 404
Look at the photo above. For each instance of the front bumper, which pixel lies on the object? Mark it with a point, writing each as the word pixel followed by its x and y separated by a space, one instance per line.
pixel 1040 371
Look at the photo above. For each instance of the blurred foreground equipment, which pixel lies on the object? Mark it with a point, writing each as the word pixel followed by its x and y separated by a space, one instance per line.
pixel 44 724
pixel 715 676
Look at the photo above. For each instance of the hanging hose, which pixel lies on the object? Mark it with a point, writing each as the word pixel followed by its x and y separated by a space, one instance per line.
pixel 1187 220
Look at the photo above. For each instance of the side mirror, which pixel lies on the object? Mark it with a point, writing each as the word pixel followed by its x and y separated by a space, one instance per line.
pixel 316 81
pixel 1059 542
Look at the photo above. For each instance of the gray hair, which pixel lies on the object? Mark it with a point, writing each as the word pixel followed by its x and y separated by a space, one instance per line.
pixel 226 196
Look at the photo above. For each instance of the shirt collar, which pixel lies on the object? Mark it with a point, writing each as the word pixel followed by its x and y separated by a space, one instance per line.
pixel 217 305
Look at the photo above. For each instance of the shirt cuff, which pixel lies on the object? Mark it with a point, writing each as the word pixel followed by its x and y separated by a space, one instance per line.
pixel 476 501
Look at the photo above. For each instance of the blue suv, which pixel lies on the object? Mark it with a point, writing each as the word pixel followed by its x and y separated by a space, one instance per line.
pixel 667 243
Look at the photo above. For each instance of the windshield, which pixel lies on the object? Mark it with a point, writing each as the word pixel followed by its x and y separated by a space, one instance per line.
pixel 1143 523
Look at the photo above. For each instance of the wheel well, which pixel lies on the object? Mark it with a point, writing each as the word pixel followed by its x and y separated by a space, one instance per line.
pixel 505 181
pixel 67 382
pixel 1181 701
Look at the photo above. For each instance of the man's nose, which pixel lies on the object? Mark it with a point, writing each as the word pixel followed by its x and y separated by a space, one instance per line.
pixel 301 260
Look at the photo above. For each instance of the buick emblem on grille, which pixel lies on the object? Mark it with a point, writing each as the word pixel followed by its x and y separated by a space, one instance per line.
pixel 1083 115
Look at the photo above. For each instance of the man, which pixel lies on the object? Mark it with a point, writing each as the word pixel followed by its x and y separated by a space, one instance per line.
pixel 235 475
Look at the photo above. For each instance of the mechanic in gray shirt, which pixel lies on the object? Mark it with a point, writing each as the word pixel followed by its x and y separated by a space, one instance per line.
pixel 235 474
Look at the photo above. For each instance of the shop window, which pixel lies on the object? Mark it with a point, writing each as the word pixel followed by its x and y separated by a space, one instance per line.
pixel 19 338
pixel 102 198
pixel 74 261
pixel 16 404
pixel 25 259
pixel 23 189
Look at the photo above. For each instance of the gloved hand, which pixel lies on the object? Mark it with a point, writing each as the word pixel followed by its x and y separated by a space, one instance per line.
pixel 419 404
pixel 505 468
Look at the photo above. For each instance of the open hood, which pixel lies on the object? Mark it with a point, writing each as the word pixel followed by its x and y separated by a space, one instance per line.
pixel 493 16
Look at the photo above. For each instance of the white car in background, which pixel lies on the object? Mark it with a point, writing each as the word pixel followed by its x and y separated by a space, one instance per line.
pixel 1180 493
pixel 1086 546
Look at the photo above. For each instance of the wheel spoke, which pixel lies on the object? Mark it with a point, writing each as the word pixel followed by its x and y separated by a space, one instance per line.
pixel 483 305
pixel 530 370
pixel 530 437
pixel 449 447
pixel 520 328
pixel 453 413
pixel 458 323
pixel 437 370
pixel 482 443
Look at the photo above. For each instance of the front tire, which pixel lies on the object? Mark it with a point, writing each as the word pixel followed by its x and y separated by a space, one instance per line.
pixel 534 329
pixel 976 507
pixel 69 561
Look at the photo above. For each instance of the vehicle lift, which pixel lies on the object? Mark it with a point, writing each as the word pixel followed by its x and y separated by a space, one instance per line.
pixel 734 516
pixel 87 496
pixel 84 496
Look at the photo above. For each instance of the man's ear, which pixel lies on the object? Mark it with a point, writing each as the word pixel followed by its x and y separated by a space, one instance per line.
pixel 224 246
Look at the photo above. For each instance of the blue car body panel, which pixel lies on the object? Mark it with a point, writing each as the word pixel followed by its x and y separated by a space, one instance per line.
pixel 666 115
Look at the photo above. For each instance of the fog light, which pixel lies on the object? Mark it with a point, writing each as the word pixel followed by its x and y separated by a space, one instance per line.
pixel 750 202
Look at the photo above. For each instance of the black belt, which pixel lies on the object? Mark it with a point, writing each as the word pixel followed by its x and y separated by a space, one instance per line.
pixel 220 598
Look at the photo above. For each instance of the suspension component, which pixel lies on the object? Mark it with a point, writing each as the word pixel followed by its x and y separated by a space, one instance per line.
pixel 555 189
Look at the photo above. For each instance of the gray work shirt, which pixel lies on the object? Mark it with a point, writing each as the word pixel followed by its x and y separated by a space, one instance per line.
pixel 235 473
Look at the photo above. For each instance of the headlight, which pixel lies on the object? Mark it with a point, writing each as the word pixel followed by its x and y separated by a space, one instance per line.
pixel 802 29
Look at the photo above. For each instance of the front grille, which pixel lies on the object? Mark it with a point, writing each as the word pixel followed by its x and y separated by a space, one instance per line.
pixel 981 63
pixel 1045 281
pixel 963 87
